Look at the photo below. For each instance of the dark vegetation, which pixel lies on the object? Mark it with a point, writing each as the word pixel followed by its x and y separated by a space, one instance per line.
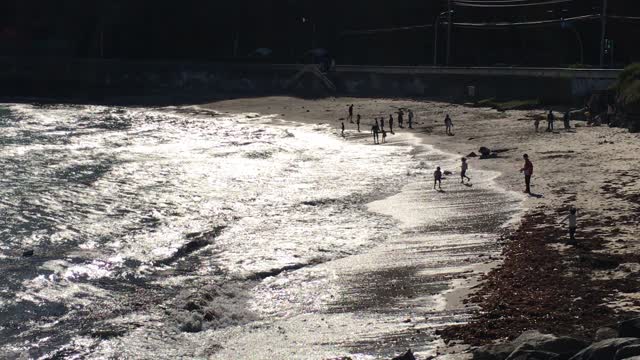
pixel 233 30
pixel 538 288
pixel 628 98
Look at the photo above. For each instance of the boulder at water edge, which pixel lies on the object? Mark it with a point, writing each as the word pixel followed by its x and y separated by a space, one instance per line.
pixel 605 349
pixel 533 355
pixel 406 356
pixel 606 333
pixel 493 352
pixel 629 328
pixel 628 352
pixel 564 346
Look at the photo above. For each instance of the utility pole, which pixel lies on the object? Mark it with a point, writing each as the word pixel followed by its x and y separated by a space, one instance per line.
pixel 603 20
pixel 449 19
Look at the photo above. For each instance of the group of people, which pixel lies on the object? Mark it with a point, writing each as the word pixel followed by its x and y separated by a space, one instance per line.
pixel 378 127
pixel 551 119
pixel 527 170
pixel 437 175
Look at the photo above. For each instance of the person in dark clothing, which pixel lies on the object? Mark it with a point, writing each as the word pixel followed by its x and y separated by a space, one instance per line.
pixel 350 113
pixel 448 125
pixel 343 129
pixel 437 178
pixel 565 120
pixel 527 169
pixel 401 118
pixel 550 119
pixel 382 123
pixel 374 131
pixel 391 124
pixel 410 119
pixel 358 122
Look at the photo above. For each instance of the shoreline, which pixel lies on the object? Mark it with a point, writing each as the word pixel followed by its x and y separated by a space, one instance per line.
pixel 459 288
pixel 591 168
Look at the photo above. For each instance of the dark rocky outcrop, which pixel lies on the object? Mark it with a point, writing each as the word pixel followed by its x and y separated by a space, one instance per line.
pixel 605 349
pixel 629 328
pixel 494 352
pixel 606 333
pixel 406 356
pixel 533 355
pixel 532 345
pixel 628 352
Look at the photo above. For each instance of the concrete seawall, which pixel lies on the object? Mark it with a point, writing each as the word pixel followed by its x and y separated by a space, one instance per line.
pixel 60 77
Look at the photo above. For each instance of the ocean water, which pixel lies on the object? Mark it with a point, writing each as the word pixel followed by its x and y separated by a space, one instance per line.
pixel 186 233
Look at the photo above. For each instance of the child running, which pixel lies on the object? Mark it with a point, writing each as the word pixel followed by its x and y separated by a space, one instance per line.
pixel 437 178
pixel 573 225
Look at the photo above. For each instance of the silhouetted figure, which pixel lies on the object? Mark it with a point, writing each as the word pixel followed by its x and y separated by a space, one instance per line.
pixel 437 178
pixel 358 121
pixel 350 117
pixel 384 136
pixel 565 120
pixel 448 124
pixel 410 116
pixel 401 118
pixel 528 171
pixel 550 119
pixel 343 129
pixel 536 124
pixel 611 113
pixel 374 131
pixel 391 124
pixel 573 224
pixel 463 171
pixel 382 123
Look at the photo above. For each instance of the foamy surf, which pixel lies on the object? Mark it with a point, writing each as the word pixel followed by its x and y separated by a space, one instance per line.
pixel 179 232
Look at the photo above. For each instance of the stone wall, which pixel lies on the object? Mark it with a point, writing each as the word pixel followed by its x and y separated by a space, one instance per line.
pixel 64 77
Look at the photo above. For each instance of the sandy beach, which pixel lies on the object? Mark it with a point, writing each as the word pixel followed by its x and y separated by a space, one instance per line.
pixel 541 282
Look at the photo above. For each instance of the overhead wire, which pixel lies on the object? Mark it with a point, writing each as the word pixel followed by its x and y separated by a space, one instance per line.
pixel 498 6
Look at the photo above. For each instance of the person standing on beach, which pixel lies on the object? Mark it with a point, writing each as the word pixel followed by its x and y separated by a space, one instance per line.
pixel 391 124
pixel 381 122
pixel 463 171
pixel 401 118
pixel 437 178
pixel 536 124
pixel 528 171
pixel 565 120
pixel 358 121
pixel 448 125
pixel 550 119
pixel 374 131
pixel 573 225
pixel 350 117
pixel 384 136
pixel 410 119
pixel 343 129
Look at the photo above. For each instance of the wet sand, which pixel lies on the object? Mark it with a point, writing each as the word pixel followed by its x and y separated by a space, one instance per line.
pixel 591 168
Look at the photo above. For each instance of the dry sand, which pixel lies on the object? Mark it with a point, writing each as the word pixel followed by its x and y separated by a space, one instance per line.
pixel 592 168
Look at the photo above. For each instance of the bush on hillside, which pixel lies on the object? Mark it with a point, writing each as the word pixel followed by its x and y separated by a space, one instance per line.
pixel 628 97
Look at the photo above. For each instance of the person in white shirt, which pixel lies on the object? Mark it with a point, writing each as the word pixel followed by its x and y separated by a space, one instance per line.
pixel 463 171
pixel 573 224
